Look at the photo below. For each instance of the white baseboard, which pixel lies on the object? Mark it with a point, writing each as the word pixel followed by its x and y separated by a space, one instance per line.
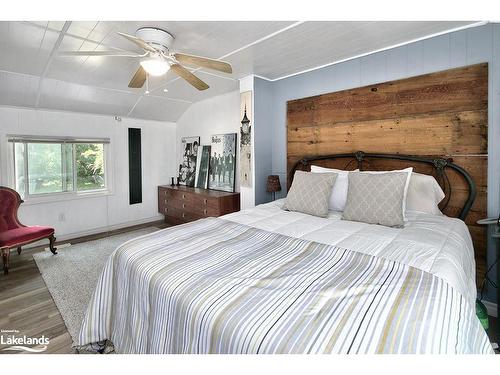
pixel 89 232
pixel 491 308
pixel 109 228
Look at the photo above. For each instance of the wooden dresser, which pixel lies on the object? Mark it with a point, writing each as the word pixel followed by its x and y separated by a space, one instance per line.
pixel 181 204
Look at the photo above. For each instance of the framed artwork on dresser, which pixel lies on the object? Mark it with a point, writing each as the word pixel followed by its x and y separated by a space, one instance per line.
pixel 222 162
pixel 202 167
pixel 187 164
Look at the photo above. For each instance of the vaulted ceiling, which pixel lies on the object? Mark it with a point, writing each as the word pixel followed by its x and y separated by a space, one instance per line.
pixel 33 75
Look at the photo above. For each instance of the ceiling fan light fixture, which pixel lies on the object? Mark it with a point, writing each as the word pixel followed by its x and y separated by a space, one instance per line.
pixel 155 65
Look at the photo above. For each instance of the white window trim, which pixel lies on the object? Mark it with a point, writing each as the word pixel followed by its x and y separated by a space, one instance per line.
pixel 66 195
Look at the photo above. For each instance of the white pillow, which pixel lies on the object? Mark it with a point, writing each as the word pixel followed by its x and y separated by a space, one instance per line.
pixel 409 171
pixel 339 191
pixel 424 194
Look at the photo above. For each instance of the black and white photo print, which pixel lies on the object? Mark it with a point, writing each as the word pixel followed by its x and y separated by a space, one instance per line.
pixel 187 166
pixel 222 162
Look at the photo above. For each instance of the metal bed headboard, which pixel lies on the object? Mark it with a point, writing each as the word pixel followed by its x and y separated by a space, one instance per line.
pixel 440 165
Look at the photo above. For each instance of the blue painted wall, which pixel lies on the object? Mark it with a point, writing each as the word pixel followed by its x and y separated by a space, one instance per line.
pixel 466 47
pixel 263 137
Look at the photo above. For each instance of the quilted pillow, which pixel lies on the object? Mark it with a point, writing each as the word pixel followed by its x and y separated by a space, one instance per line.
pixel 310 193
pixel 376 198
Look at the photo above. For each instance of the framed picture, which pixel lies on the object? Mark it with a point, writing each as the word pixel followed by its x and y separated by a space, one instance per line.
pixel 246 139
pixel 222 162
pixel 187 166
pixel 202 167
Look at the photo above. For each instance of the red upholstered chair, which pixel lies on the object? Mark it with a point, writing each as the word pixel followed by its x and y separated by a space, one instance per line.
pixel 13 234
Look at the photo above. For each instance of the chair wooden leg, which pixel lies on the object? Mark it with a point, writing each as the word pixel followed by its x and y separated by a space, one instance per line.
pixel 19 250
pixel 5 258
pixel 52 240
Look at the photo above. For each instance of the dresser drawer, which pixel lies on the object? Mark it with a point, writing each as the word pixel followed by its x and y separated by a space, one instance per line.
pixel 181 215
pixel 197 204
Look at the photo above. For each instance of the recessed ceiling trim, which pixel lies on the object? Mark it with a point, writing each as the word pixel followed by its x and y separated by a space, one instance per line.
pixel 82 113
pixel 217 75
pixel 97 87
pixel 469 26
pixel 83 39
pixel 260 40
pixel 58 42
pixel 135 105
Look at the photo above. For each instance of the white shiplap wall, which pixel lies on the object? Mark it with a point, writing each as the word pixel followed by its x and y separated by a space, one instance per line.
pixel 99 213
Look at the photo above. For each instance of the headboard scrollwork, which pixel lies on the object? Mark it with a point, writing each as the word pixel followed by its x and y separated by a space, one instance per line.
pixel 440 166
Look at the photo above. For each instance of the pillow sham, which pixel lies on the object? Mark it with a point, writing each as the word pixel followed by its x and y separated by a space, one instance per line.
pixel 409 173
pixel 376 198
pixel 424 194
pixel 338 196
pixel 310 193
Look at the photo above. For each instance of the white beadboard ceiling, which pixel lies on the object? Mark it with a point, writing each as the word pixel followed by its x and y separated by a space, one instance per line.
pixel 33 75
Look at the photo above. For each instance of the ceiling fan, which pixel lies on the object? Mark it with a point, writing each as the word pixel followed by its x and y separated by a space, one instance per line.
pixel 157 59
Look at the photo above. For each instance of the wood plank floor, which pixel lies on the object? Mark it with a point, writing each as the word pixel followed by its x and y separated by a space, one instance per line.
pixel 26 304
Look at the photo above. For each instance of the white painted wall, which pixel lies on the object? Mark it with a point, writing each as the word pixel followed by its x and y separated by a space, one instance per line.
pixel 217 115
pixel 86 215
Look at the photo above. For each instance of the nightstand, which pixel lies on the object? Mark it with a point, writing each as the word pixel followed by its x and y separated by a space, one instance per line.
pixel 494 233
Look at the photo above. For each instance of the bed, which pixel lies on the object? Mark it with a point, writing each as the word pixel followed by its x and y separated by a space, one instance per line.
pixel 266 280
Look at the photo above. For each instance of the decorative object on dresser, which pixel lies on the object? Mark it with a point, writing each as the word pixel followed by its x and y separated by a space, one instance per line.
pixel 222 162
pixel 273 185
pixel 202 167
pixel 13 234
pixel 187 166
pixel 181 204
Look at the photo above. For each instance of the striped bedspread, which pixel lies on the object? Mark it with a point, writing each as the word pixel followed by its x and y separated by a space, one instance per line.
pixel 214 286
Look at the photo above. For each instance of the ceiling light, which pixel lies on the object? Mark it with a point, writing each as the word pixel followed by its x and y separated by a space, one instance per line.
pixel 165 90
pixel 155 65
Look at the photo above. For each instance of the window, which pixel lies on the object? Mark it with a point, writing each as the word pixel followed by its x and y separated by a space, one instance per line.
pixel 58 166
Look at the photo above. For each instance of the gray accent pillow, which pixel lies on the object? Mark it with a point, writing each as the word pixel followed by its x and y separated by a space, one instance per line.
pixel 376 198
pixel 310 193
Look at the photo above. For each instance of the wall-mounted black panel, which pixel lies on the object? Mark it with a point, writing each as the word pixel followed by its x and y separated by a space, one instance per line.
pixel 134 165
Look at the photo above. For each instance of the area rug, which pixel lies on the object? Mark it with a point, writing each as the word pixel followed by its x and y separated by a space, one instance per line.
pixel 72 274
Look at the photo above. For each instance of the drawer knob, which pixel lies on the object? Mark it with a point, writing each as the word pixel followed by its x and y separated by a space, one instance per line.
pixel 183 215
pixel 165 201
pixel 184 205
pixel 205 212
pixel 166 210
pixel 183 196
pixel 205 201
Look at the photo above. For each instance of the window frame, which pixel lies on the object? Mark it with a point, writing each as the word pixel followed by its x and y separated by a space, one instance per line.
pixel 62 195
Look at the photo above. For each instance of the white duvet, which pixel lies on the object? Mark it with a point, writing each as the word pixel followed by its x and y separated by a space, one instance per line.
pixel 436 244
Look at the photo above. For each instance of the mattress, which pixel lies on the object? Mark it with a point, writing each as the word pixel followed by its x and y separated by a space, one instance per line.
pixel 436 244
pixel 270 281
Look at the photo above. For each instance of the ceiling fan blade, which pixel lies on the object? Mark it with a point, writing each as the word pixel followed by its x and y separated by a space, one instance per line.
pixel 98 53
pixel 204 62
pixel 139 42
pixel 188 76
pixel 138 79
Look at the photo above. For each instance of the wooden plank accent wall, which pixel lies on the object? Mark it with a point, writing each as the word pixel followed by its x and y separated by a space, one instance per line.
pixel 441 114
